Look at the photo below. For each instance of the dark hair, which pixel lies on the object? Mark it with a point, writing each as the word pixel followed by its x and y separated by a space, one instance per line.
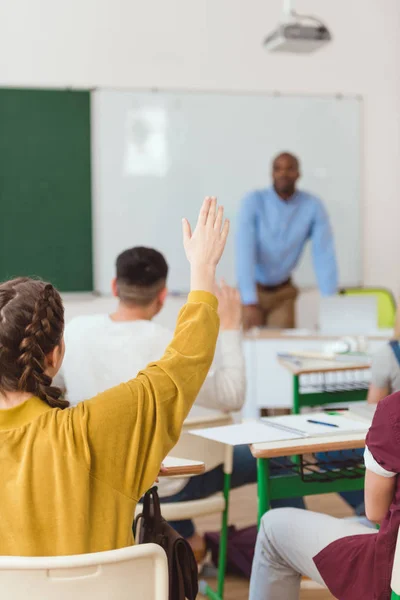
pixel 31 326
pixel 141 275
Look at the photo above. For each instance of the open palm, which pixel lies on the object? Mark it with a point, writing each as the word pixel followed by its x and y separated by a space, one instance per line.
pixel 207 242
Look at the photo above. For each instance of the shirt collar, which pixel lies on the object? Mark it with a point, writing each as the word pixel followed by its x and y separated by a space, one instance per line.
pixel 283 203
pixel 22 414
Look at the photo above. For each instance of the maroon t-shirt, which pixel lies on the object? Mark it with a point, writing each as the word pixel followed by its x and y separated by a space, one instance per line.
pixel 360 566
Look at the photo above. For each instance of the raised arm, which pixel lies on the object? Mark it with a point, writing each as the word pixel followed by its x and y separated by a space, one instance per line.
pixel 225 386
pixel 128 430
pixel 323 250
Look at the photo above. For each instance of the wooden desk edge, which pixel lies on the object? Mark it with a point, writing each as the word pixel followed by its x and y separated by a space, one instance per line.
pixel 279 334
pixel 326 446
pixel 184 470
pixel 294 370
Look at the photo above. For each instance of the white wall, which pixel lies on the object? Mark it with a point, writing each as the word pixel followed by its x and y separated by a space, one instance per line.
pixel 216 45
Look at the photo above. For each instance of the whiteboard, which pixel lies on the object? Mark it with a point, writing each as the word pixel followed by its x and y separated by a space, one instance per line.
pixel 157 154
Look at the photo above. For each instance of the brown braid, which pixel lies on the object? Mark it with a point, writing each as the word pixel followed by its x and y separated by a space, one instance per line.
pixel 31 326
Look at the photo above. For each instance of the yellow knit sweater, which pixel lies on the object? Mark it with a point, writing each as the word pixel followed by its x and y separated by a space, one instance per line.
pixel 70 479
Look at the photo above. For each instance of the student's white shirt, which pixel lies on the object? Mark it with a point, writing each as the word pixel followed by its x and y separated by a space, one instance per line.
pixel 101 353
pixel 372 465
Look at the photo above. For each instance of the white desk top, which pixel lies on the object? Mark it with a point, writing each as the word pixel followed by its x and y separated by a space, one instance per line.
pixel 309 366
pixel 260 333
pixel 205 417
pixel 345 441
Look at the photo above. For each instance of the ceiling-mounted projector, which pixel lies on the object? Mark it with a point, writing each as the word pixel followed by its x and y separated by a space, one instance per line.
pixel 297 33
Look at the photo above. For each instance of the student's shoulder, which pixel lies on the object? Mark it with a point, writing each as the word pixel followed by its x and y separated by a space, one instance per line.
pixel 384 353
pixel 389 410
pixel 159 330
pixel 85 323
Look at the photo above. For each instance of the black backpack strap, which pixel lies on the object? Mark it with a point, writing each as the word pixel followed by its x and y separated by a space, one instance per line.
pixel 394 344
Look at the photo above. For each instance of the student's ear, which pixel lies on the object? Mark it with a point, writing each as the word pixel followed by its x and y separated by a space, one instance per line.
pixel 114 287
pixel 54 359
pixel 163 296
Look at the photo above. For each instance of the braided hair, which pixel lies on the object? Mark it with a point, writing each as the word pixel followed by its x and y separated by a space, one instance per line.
pixel 31 326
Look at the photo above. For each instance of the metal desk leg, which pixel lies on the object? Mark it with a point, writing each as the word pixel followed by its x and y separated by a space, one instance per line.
pixel 264 503
pixel 296 394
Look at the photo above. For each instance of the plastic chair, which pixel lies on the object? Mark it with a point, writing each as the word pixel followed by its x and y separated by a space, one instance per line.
pixel 132 572
pixel 395 583
pixel 212 454
pixel 385 300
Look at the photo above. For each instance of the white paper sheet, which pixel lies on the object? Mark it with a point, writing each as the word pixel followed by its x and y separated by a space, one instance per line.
pixel 250 432
pixel 363 410
pixel 301 422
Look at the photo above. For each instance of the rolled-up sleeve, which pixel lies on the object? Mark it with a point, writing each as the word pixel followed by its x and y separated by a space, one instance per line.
pixel 372 465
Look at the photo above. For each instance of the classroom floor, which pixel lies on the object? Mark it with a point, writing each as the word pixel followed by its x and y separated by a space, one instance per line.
pixel 237 589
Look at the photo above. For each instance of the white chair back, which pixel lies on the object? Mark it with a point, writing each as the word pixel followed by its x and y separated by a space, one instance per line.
pixel 132 572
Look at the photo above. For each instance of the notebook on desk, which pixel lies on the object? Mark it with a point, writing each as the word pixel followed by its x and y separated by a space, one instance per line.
pixel 317 423
pixel 288 427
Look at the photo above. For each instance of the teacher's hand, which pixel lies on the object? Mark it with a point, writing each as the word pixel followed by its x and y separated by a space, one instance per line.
pixel 253 316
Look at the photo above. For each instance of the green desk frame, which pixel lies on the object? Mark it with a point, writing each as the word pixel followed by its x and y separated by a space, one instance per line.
pixel 320 398
pixel 292 486
pixel 324 397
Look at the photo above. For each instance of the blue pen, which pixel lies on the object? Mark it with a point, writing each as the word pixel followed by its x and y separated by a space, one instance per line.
pixel 322 423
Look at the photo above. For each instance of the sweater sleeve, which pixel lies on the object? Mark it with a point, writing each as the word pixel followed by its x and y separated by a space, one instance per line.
pixel 225 385
pixel 127 431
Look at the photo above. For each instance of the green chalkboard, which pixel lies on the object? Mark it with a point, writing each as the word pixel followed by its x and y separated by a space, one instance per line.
pixel 45 187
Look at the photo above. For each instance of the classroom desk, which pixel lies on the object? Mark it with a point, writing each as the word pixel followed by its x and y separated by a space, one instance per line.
pixel 303 479
pixel 182 467
pixel 269 384
pixel 329 382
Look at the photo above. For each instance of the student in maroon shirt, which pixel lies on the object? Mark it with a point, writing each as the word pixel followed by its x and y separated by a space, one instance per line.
pixel 355 562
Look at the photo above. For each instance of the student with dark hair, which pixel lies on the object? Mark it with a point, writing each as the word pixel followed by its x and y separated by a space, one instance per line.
pixel 110 346
pixel 102 455
pixel 141 277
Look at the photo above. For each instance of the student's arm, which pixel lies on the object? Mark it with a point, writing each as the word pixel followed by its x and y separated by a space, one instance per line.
pixel 127 431
pixel 379 386
pixel 225 386
pixel 323 251
pixel 397 322
pixel 376 394
pixel 379 492
pixel 382 459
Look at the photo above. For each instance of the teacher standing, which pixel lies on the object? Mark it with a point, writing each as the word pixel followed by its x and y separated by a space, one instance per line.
pixel 274 226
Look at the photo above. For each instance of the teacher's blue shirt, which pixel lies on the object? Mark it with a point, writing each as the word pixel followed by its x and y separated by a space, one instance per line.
pixel 271 236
